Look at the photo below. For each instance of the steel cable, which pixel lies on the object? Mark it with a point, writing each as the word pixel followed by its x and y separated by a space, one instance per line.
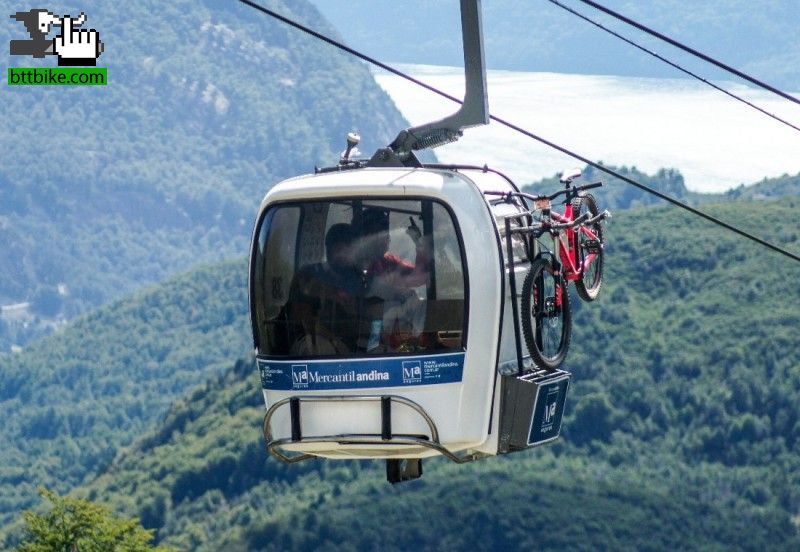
pixel 673 64
pixel 527 133
pixel 690 50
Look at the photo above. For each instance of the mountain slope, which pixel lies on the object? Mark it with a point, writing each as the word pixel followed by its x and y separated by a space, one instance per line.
pixel 616 194
pixel 103 189
pixel 77 396
pixel 686 366
pixel 204 480
pixel 769 188
pixel 680 431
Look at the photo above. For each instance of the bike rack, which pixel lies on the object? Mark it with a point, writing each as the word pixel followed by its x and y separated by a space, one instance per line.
pixel 528 230
pixel 510 267
pixel 386 436
pixel 512 282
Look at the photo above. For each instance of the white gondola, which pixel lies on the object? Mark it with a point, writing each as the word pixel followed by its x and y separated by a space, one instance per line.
pixel 384 306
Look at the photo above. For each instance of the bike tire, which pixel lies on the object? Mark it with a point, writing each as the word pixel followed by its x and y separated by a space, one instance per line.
pixel 541 311
pixel 590 282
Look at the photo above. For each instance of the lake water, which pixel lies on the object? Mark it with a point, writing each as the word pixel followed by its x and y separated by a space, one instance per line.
pixel 715 142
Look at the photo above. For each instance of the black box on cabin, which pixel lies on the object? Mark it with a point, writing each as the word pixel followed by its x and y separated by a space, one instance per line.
pixel 531 409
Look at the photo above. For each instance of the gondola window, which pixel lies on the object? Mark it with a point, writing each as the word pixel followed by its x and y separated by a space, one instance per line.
pixel 344 278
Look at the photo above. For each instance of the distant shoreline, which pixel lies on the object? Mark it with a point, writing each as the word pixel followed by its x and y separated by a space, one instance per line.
pixel 651 123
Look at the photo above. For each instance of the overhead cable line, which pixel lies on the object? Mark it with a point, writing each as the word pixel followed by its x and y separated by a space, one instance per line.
pixel 527 133
pixel 672 64
pixel 690 50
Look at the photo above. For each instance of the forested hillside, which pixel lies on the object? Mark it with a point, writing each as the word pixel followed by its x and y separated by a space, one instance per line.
pixel 103 189
pixel 769 188
pixel 534 35
pixel 681 429
pixel 617 194
pixel 72 400
pixel 204 480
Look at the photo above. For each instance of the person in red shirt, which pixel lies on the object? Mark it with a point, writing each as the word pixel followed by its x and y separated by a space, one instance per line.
pixel 391 305
pixel 378 262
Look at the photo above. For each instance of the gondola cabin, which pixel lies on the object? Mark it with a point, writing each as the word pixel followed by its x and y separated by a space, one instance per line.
pixel 383 297
pixel 384 320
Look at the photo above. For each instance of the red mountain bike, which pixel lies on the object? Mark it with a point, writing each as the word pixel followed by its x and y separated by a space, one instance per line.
pixel 576 256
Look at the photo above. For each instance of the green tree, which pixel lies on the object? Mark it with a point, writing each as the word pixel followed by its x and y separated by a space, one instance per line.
pixel 73 525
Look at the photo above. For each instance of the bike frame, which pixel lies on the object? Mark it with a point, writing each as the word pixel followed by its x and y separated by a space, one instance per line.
pixel 566 245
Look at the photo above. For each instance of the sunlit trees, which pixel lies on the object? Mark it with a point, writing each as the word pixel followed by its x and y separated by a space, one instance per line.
pixel 77 525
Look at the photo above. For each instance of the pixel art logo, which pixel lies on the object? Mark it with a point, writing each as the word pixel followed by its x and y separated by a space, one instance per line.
pixel 74 47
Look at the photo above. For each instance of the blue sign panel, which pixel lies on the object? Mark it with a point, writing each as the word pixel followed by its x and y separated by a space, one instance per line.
pixel 549 409
pixel 316 375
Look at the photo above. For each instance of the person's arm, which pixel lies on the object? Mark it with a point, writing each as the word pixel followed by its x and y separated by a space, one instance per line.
pixel 409 275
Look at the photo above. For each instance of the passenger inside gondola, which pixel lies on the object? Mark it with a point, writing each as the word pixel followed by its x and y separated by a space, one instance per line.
pixel 390 270
pixel 323 298
pixel 398 312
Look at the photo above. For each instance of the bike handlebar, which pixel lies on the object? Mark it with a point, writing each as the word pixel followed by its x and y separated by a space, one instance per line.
pixel 584 219
pixel 573 189
pixel 590 186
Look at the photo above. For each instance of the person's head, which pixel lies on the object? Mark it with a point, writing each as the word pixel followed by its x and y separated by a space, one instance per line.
pixel 375 225
pixel 339 246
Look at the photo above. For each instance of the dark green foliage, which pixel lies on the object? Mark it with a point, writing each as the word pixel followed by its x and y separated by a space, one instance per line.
pixel 207 452
pixel 693 349
pixel 80 394
pixel 47 301
pixel 517 506
pixel 769 188
pixel 595 418
pixel 207 107
pixel 76 524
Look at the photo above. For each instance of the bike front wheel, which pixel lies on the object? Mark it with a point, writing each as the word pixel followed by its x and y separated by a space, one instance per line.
pixel 589 250
pixel 546 316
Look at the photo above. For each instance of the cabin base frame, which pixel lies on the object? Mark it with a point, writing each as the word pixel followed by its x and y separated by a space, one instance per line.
pixel 385 439
pixel 531 410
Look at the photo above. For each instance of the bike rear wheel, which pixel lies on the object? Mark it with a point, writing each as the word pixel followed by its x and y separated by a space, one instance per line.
pixel 546 315
pixel 591 280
